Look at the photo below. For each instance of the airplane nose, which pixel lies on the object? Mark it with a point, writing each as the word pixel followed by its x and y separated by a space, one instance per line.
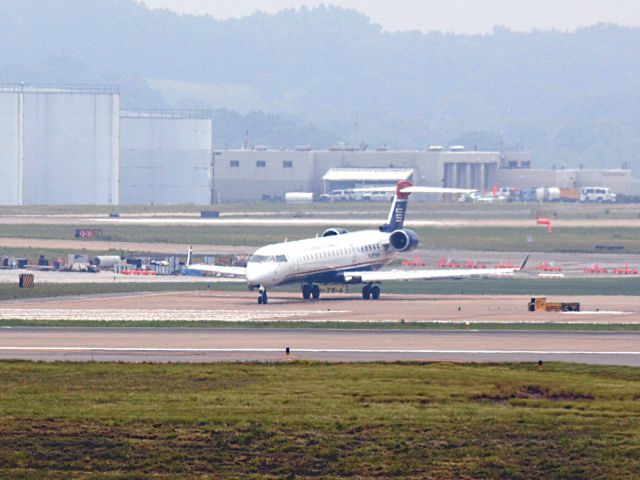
pixel 258 275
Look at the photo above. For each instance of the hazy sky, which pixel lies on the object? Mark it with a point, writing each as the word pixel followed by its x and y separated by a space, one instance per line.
pixel 460 16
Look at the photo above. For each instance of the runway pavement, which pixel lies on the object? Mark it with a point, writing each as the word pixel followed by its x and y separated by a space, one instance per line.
pixel 224 345
pixel 241 306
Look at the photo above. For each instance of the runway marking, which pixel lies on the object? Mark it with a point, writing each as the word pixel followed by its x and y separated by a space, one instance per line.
pixel 310 350
pixel 162 315
pixel 110 315
pixel 598 312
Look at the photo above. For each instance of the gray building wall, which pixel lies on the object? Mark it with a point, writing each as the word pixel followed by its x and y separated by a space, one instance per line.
pixel 67 149
pixel 326 159
pixel 255 175
pixel 475 170
pixel 166 158
pixel 238 177
pixel 619 181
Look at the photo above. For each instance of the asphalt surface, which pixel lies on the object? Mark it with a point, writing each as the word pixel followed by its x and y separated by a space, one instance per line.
pixel 241 306
pixel 226 345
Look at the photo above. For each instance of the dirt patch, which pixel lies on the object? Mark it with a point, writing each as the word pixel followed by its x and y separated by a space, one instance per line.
pixel 534 392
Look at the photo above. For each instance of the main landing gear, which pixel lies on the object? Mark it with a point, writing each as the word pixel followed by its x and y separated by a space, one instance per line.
pixel 309 291
pixel 263 298
pixel 371 292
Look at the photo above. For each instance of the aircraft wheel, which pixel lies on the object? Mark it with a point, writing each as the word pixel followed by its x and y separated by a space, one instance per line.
pixel 366 292
pixel 260 300
pixel 375 292
pixel 264 297
pixel 306 291
pixel 315 292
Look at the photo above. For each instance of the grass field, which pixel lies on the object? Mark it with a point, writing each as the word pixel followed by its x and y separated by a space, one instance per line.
pixel 288 325
pixel 40 290
pixel 416 210
pixel 506 239
pixel 492 286
pixel 304 420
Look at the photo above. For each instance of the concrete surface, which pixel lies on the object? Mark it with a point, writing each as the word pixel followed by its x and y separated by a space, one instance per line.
pixel 349 307
pixel 212 345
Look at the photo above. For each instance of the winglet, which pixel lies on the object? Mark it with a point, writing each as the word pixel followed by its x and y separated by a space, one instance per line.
pixel 189 254
pixel 524 264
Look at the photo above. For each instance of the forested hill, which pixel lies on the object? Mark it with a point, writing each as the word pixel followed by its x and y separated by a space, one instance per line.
pixel 316 73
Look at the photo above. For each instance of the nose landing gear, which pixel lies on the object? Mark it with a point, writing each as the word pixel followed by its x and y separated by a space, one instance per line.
pixel 263 298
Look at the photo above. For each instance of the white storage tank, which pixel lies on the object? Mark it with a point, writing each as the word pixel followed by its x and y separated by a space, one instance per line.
pixel 62 144
pixel 166 157
pixel 11 155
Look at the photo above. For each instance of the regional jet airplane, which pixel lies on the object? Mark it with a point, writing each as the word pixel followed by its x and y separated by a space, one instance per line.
pixel 341 257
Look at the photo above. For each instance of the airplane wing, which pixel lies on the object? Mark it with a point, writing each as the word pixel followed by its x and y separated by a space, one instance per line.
pixel 219 269
pixel 381 276
pixel 215 269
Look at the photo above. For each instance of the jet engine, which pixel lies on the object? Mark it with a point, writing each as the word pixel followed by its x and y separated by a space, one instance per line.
pixel 334 231
pixel 404 240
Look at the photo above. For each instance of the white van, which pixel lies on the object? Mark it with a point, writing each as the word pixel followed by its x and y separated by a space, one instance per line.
pixel 597 194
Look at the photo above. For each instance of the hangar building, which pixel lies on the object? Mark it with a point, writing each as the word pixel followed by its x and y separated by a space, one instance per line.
pixel 59 144
pixel 264 174
pixel 166 157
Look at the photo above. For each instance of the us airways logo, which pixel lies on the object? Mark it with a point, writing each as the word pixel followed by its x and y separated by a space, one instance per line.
pixel 399 214
pixel 396 216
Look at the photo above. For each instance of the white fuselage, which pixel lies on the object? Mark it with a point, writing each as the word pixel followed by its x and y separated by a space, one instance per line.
pixel 318 259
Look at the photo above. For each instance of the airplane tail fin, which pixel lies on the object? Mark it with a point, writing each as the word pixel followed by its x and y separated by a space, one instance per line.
pixel 398 210
pixel 189 255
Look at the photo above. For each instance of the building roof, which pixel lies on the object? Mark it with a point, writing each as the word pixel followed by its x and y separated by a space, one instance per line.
pixel 367 174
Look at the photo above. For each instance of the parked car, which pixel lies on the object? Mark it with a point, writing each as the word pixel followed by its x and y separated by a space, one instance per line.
pixel 469 197
pixel 342 195
pixel 378 196
pixel 597 194
pixel 336 196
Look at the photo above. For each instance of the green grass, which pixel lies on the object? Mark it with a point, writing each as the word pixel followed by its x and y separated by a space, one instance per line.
pixel 364 209
pixel 285 325
pixel 493 286
pixel 311 420
pixel 463 238
pixel 51 254
pixel 40 290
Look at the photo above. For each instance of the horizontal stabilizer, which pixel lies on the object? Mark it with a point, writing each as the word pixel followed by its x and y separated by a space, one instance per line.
pixel 415 189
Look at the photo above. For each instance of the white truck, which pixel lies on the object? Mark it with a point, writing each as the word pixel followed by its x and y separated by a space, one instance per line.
pixel 549 194
pixel 597 194
pixel 293 198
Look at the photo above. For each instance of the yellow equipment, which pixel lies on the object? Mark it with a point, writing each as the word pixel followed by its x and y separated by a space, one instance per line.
pixel 540 304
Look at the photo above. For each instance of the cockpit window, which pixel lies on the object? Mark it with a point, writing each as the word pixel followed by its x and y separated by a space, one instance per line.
pixel 281 258
pixel 262 258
